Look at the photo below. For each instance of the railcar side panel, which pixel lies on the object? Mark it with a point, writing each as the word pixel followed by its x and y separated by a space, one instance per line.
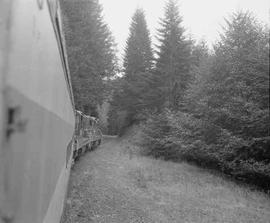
pixel 41 113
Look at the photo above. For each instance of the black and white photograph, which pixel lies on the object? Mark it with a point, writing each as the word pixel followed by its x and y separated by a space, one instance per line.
pixel 134 111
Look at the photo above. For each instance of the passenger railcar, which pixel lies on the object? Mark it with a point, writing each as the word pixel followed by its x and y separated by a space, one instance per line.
pixel 37 115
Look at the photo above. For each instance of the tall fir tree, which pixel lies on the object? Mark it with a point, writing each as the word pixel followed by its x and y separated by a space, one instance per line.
pixel 138 52
pixel 232 88
pixel 138 63
pixel 239 81
pixel 173 58
pixel 91 51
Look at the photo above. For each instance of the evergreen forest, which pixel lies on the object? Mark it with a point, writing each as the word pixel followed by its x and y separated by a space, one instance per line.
pixel 207 105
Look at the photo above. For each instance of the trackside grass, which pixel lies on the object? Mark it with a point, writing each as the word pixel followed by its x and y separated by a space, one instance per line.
pixel 114 184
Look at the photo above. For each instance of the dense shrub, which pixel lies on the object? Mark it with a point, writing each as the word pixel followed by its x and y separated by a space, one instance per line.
pixel 179 136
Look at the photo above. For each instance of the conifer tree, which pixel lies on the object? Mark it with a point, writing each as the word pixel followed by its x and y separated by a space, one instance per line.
pixel 239 93
pixel 138 52
pixel 138 63
pixel 173 62
pixel 91 51
pixel 233 89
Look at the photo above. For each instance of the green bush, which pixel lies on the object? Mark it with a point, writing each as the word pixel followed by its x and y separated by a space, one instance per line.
pixel 179 136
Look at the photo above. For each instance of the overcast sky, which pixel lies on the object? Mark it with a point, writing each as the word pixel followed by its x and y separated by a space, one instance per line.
pixel 201 18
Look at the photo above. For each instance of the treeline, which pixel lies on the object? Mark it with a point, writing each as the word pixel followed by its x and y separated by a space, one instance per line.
pixel 208 107
pixel 91 52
